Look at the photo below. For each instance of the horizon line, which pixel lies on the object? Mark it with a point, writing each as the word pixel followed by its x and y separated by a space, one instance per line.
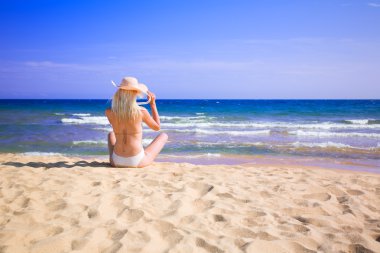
pixel 197 99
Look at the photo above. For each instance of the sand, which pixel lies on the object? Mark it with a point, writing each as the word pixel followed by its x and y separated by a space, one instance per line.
pixel 61 204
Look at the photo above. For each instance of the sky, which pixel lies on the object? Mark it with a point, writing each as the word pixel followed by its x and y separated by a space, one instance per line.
pixel 191 49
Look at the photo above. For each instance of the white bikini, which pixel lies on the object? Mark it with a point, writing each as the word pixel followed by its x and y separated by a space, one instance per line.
pixel 131 161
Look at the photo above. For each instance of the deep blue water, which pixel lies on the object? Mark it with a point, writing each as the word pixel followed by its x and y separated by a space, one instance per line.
pixel 209 128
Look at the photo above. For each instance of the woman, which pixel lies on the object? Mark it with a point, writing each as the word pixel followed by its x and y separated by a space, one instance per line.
pixel 126 117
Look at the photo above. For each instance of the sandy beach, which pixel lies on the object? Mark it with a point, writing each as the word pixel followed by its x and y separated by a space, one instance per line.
pixel 66 204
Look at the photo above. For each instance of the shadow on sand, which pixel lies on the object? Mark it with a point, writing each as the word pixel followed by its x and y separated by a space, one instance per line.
pixel 58 164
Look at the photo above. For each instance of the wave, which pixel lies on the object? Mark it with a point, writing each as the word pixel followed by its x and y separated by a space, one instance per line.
pixel 233 133
pixel 90 142
pixel 230 144
pixel 59 113
pixel 334 134
pixel 207 155
pixel 270 125
pixel 95 120
pixel 183 117
pixel 362 121
pixel 81 114
pixel 323 145
pixel 281 146
pixel 42 154
pixel 202 121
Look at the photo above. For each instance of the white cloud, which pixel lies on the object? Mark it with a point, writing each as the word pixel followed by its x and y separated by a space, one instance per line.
pixel 375 5
pixel 49 64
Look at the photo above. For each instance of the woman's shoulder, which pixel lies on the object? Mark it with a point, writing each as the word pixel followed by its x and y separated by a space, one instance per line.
pixel 108 111
pixel 143 109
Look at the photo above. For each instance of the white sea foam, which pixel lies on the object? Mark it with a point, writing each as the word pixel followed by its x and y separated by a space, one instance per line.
pixel 328 144
pixel 184 117
pixel 280 146
pixel 95 120
pixel 59 113
pixel 233 133
pixel 206 155
pixel 90 142
pixel 81 114
pixel 267 125
pixel 334 134
pixel 199 113
pixel 359 121
pixel 231 144
pixel 42 153
pixel 202 121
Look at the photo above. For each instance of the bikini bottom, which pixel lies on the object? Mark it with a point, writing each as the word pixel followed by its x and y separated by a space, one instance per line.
pixel 132 161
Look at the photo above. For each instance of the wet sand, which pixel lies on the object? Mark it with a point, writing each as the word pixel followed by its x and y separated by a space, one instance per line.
pixel 68 204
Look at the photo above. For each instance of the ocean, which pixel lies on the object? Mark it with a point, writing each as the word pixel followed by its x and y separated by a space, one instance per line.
pixel 202 129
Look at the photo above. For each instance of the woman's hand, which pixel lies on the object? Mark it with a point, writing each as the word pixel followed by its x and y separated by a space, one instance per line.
pixel 152 97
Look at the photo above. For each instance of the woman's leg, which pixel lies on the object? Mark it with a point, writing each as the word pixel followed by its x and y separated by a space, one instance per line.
pixel 153 149
pixel 111 144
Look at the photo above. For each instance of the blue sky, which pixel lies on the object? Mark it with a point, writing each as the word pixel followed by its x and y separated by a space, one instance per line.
pixel 191 48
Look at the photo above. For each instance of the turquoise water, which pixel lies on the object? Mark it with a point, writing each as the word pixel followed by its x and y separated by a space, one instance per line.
pixel 202 128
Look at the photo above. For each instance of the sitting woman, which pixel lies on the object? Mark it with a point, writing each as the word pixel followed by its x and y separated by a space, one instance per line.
pixel 126 117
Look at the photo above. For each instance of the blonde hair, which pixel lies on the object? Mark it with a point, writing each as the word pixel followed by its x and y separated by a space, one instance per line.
pixel 124 105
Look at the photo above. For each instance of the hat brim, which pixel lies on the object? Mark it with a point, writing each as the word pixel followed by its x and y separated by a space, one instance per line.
pixel 139 88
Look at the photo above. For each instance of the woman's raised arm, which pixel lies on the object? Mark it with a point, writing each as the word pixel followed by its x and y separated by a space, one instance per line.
pixel 152 122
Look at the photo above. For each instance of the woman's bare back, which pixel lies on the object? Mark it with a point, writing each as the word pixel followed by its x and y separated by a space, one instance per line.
pixel 128 135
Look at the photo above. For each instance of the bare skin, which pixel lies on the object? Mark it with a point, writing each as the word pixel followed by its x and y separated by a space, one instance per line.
pixel 126 138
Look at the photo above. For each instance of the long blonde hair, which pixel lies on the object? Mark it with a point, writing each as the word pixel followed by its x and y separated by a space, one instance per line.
pixel 124 105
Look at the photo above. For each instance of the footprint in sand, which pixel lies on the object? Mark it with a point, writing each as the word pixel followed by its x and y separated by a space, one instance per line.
pixel 354 192
pixel 116 234
pixel 199 242
pixel 265 194
pixel 92 213
pixel 256 213
pixel 132 215
pixel 113 248
pixel 173 208
pixel 219 218
pixel 136 241
pixel 168 232
pixel 323 196
pixel 149 182
pixel 96 183
pixel 266 236
pixel 52 231
pixel 78 244
pixel 346 209
pixel 243 233
pixel 201 205
pixel 358 248
pixel 197 189
pixel 342 199
pixel 298 248
pixel 301 228
pixel 56 205
pixel 21 202
pixel 225 195
pixel 115 184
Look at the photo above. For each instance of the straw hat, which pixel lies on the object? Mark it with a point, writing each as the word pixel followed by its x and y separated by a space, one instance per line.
pixel 131 83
